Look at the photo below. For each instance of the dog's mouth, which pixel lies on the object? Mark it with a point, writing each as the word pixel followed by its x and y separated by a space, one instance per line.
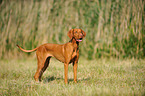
pixel 79 40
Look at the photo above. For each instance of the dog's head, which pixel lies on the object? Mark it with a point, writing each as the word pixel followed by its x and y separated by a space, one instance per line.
pixel 77 34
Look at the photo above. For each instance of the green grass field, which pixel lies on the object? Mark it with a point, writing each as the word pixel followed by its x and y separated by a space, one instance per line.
pixel 96 77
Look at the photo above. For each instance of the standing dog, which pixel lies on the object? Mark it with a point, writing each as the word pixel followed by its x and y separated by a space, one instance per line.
pixel 66 53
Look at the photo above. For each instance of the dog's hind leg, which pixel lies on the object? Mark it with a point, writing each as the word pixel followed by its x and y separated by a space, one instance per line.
pixel 42 66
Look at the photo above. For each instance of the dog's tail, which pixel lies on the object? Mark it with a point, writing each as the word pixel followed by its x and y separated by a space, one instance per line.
pixel 27 50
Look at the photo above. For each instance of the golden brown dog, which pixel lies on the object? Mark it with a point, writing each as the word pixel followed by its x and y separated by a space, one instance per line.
pixel 66 53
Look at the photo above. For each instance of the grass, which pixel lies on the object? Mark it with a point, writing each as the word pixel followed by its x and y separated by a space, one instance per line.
pixel 95 77
pixel 115 28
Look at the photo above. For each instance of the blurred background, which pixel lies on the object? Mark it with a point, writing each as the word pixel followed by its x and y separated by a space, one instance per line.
pixel 115 28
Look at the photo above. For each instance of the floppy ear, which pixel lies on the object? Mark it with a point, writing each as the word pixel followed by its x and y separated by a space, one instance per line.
pixel 84 33
pixel 70 33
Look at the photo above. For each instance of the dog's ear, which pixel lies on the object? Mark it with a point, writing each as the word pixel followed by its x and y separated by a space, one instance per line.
pixel 84 33
pixel 70 33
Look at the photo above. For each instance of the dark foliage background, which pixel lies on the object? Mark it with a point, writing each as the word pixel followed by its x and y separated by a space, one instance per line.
pixel 115 28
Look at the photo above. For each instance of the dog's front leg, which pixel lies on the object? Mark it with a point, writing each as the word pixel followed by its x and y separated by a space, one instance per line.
pixel 75 71
pixel 68 55
pixel 65 72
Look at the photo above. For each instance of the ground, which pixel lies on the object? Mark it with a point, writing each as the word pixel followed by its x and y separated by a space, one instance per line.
pixel 95 77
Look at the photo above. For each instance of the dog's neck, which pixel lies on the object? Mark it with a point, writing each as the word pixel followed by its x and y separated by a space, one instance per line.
pixel 73 41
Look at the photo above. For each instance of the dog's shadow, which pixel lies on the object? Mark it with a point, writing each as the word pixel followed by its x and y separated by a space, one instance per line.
pixel 52 78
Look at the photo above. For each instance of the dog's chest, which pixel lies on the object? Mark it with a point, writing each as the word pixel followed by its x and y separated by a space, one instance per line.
pixel 74 54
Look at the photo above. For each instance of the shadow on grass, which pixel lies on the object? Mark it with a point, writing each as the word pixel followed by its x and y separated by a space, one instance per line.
pixel 52 78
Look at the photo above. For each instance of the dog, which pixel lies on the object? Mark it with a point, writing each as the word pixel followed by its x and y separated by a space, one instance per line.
pixel 66 53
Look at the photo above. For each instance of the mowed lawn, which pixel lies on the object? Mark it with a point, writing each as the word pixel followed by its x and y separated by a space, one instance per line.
pixel 95 77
